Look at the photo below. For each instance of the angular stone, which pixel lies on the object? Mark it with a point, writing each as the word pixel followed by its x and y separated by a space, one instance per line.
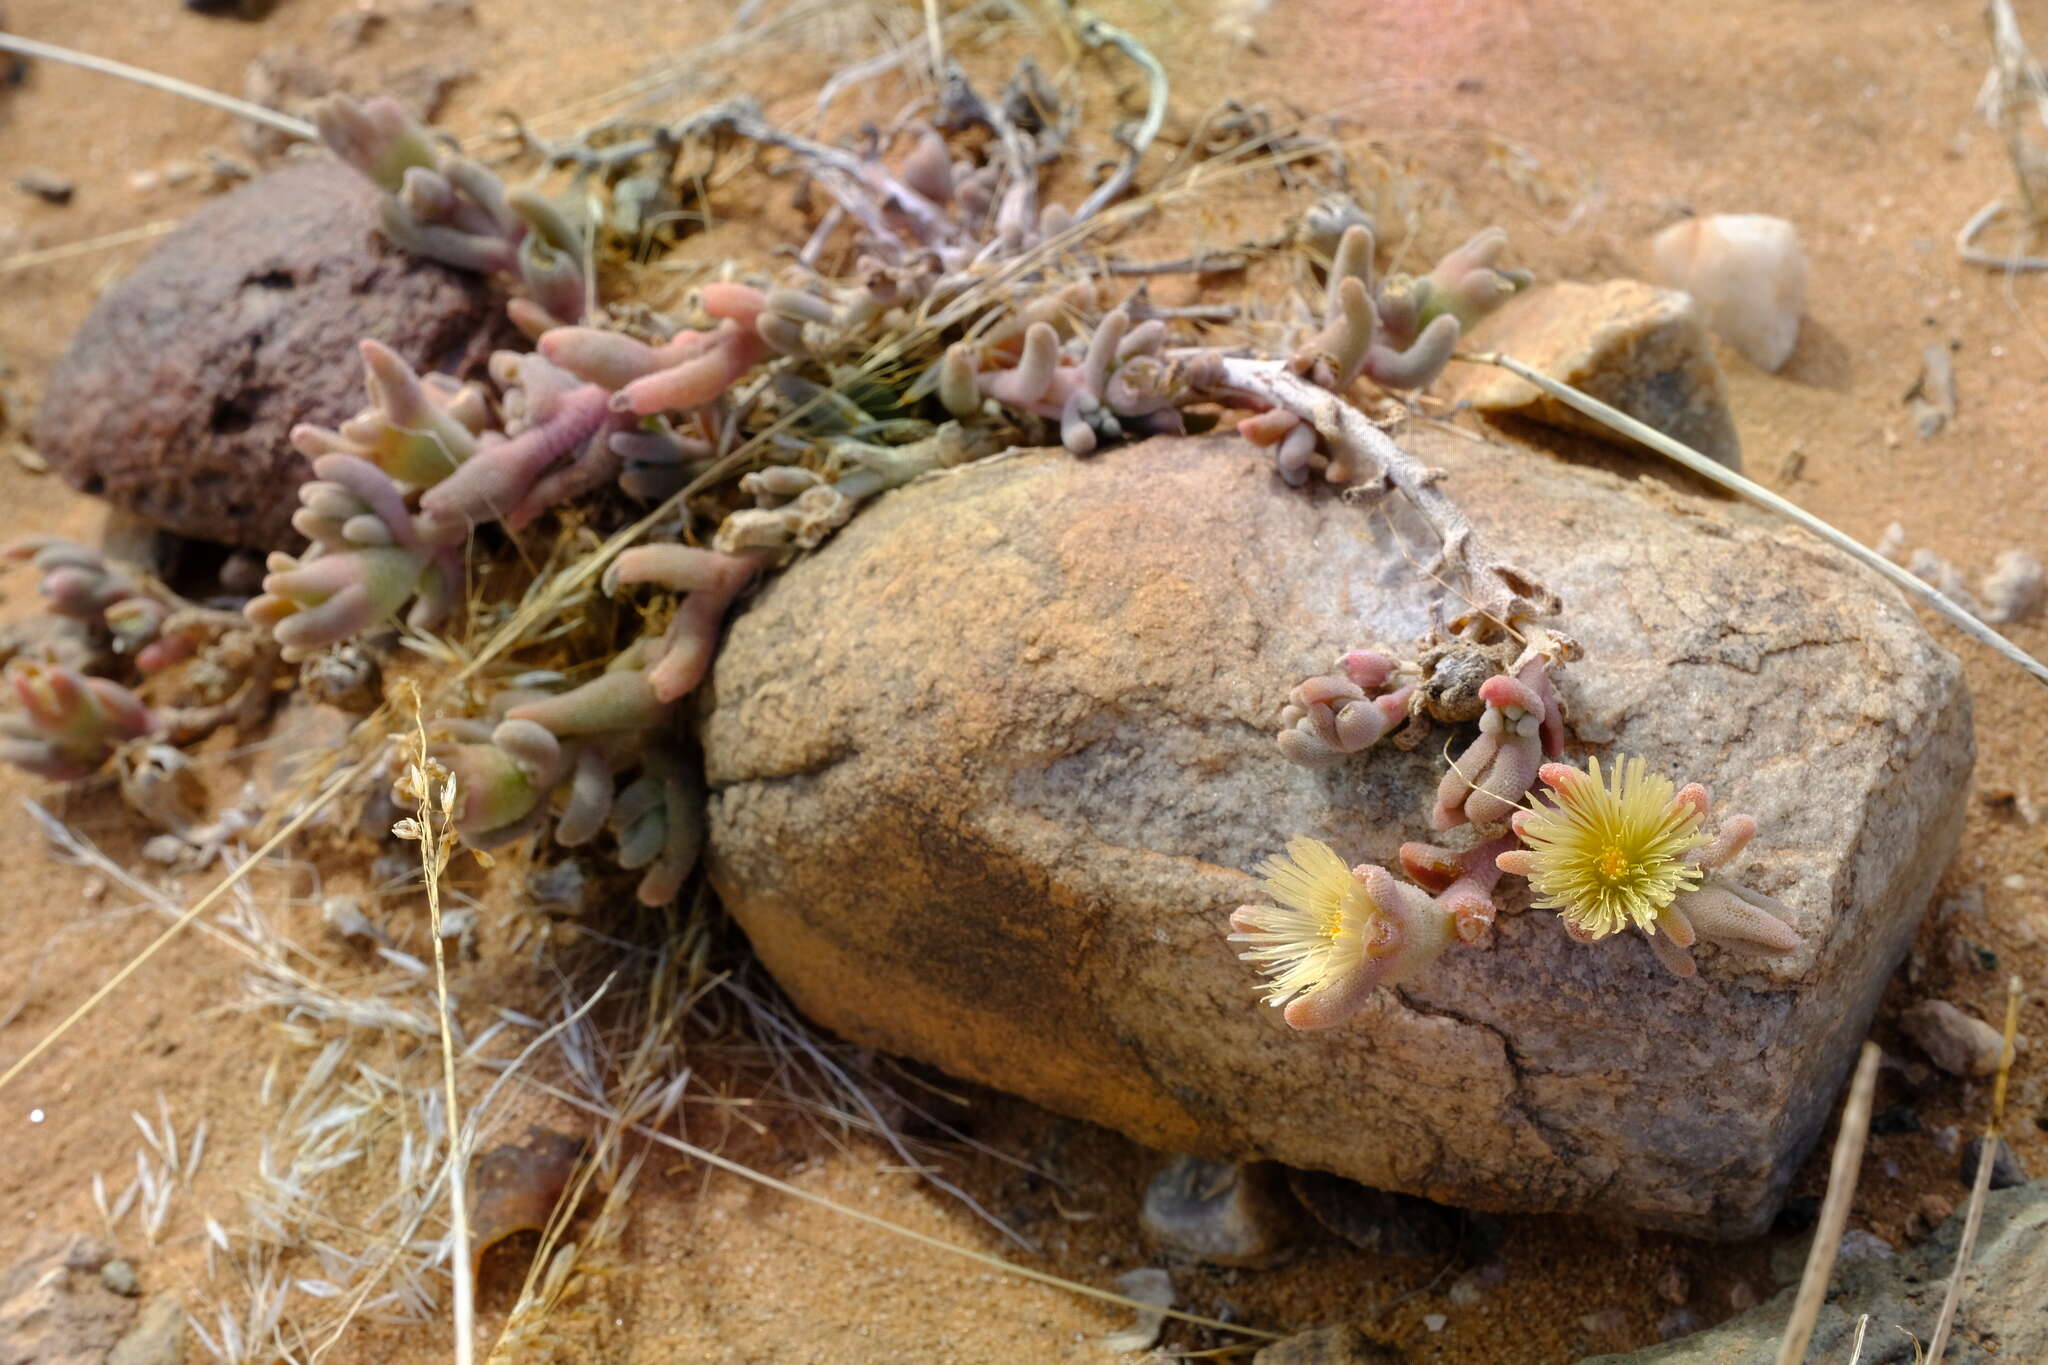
pixel 1631 345
pixel 1377 1221
pixel 157 1338
pixel 52 1315
pixel 1958 1043
pixel 175 398
pixel 2000 1307
pixel 988 765
pixel 2006 1168
pixel 1222 1212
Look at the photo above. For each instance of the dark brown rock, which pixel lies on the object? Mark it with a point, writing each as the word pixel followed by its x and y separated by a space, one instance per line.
pixel 176 396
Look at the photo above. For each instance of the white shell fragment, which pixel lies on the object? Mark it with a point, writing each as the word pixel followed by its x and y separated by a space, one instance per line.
pixel 1748 274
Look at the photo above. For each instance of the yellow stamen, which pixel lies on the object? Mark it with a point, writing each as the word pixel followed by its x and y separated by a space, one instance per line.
pixel 1610 854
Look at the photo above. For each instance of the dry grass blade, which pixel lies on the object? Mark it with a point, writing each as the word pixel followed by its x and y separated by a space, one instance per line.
pixel 199 907
pixel 997 1263
pixel 1764 497
pixel 1986 1158
pixel 433 788
pixel 49 254
pixel 284 123
pixel 1834 1210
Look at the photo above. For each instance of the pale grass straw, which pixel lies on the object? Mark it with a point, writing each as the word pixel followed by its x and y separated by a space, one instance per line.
pixel 192 912
pixel 50 254
pixel 1735 483
pixel 170 85
pixel 1986 1159
pixel 996 1263
pixel 1834 1209
pixel 433 860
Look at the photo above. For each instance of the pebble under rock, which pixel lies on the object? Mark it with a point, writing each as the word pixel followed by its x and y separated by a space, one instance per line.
pixel 177 394
pixel 1222 1212
pixel 1958 1043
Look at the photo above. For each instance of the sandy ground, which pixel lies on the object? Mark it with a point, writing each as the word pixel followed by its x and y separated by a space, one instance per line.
pixel 1582 129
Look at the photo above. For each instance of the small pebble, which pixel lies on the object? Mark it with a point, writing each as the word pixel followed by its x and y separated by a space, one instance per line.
pixel 1958 1043
pixel 119 1276
pixel 1679 1322
pixel 1930 1213
pixel 1944 577
pixel 1859 1244
pixel 2014 588
pixel 1949 1140
pixel 1741 1297
pixel 1749 276
pixel 45 185
pixel 1435 1322
pixel 1470 1287
pixel 1892 543
pixel 86 1253
pixel 344 918
pixel 1674 1286
pixel 2006 1170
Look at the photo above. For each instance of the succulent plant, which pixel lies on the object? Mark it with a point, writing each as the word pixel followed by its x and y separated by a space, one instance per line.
pixel 1339 933
pixel 367 561
pixel 458 212
pixel 69 725
pixel 1117 377
pixel 1335 714
pixel 1627 852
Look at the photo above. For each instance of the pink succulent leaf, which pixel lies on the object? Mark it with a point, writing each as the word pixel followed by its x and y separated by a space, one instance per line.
pixel 621 700
pixel 69 724
pixel 375 136
pixel 499 477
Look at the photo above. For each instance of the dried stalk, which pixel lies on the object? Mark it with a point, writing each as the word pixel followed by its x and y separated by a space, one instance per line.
pixel 1497 591
pixel 1834 1210
pixel 284 123
pixel 1096 34
pixel 1987 1157
pixel 1757 493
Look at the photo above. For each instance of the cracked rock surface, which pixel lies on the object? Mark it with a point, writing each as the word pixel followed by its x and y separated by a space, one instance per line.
pixel 987 767
pixel 175 398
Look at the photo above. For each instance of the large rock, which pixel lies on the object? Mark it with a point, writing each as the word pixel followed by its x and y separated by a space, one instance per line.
pixel 2000 1318
pixel 987 767
pixel 176 396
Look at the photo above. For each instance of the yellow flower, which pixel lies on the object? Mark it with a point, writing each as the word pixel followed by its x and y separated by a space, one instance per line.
pixel 1322 929
pixel 1609 854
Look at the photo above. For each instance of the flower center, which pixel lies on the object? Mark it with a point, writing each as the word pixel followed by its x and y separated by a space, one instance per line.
pixel 1613 863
